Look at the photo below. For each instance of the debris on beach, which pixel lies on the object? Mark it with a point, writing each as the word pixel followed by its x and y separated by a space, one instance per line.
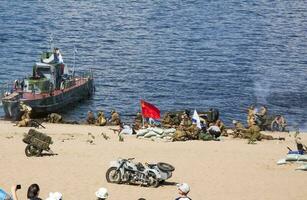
pixel 91 135
pixel 91 138
pixel 105 136
pixel 120 137
pixel 90 141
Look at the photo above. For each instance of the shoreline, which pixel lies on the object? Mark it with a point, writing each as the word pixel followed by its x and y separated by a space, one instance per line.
pixel 229 168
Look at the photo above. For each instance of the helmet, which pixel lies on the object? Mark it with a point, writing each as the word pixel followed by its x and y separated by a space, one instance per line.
pixel 102 193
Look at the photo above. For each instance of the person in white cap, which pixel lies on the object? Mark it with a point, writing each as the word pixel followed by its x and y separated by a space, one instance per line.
pixel 102 194
pixel 183 190
pixel 55 196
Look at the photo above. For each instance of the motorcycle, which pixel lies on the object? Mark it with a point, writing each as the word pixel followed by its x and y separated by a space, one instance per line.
pixel 124 171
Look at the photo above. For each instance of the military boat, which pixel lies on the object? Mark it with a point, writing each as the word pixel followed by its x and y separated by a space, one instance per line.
pixel 51 87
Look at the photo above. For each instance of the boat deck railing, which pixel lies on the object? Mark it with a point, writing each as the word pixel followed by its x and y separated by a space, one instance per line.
pixel 6 88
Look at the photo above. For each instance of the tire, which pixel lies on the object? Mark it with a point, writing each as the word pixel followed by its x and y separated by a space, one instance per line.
pixel 31 150
pixel 165 167
pixel 153 181
pixel 113 175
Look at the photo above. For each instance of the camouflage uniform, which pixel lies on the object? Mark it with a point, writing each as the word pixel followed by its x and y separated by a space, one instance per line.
pixel 115 119
pixel 167 120
pixel 55 118
pixel 186 133
pixel 24 123
pixel 101 120
pixel 222 127
pixel 250 116
pixel 193 132
pixel 138 121
pixel 180 135
pixel 25 118
pixel 176 120
pixel 26 111
pixel 253 134
pixel 90 117
pixel 239 129
pixel 185 122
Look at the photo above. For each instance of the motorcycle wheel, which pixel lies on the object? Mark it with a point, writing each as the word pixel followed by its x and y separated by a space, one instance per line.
pixel 153 181
pixel 165 166
pixel 113 175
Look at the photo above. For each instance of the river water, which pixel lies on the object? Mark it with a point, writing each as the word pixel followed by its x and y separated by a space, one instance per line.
pixel 174 54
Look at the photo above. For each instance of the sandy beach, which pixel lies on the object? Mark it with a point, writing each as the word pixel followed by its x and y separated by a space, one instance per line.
pixel 215 170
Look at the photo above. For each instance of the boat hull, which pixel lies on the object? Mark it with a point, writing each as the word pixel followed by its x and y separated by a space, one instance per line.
pixel 43 104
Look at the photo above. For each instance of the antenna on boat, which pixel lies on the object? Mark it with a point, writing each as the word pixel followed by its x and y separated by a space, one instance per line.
pixel 75 52
pixel 51 41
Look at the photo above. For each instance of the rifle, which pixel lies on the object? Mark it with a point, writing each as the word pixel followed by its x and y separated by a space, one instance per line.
pixel 115 130
pixel 36 124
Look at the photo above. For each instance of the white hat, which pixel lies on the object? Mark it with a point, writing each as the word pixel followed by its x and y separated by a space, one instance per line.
pixel 184 187
pixel 102 193
pixel 54 196
pixel 234 121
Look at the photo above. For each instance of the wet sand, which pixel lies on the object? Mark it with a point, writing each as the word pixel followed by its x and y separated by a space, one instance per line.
pixel 228 169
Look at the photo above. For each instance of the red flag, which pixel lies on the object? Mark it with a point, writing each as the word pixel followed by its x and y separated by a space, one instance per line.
pixel 149 110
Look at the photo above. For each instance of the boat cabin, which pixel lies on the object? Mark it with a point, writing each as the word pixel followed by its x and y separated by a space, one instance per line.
pixel 47 75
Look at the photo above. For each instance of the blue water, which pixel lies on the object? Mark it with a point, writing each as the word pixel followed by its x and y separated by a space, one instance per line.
pixel 175 54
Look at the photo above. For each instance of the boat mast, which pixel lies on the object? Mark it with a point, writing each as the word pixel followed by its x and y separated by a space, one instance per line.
pixel 75 52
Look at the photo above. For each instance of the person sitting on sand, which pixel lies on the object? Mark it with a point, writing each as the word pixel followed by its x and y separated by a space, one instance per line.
pixel 238 129
pixel 115 118
pixel 298 141
pixel 138 121
pixel 101 119
pixel 102 194
pixel 90 117
pixel 54 118
pixel 183 190
pixel 214 130
pixel 33 192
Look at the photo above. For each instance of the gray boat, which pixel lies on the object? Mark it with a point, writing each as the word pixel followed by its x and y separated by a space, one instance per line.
pixel 49 89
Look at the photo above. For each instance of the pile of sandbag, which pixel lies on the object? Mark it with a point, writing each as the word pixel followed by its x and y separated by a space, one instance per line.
pixel 299 158
pixel 156 133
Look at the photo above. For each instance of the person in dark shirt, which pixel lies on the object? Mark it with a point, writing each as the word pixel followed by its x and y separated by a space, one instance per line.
pixel 33 192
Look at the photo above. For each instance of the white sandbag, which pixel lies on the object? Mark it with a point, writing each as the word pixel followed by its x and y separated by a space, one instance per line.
pixel 292 157
pixel 169 130
pixel 302 158
pixel 281 162
pixel 158 130
pixel 303 167
pixel 127 130
pixel 150 134
pixel 141 132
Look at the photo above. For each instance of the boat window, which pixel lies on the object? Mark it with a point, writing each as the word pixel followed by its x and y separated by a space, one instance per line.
pixel 43 72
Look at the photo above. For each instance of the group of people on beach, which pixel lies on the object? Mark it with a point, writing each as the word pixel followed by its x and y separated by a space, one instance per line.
pixel 101 120
pixel 33 193
pixel 210 126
